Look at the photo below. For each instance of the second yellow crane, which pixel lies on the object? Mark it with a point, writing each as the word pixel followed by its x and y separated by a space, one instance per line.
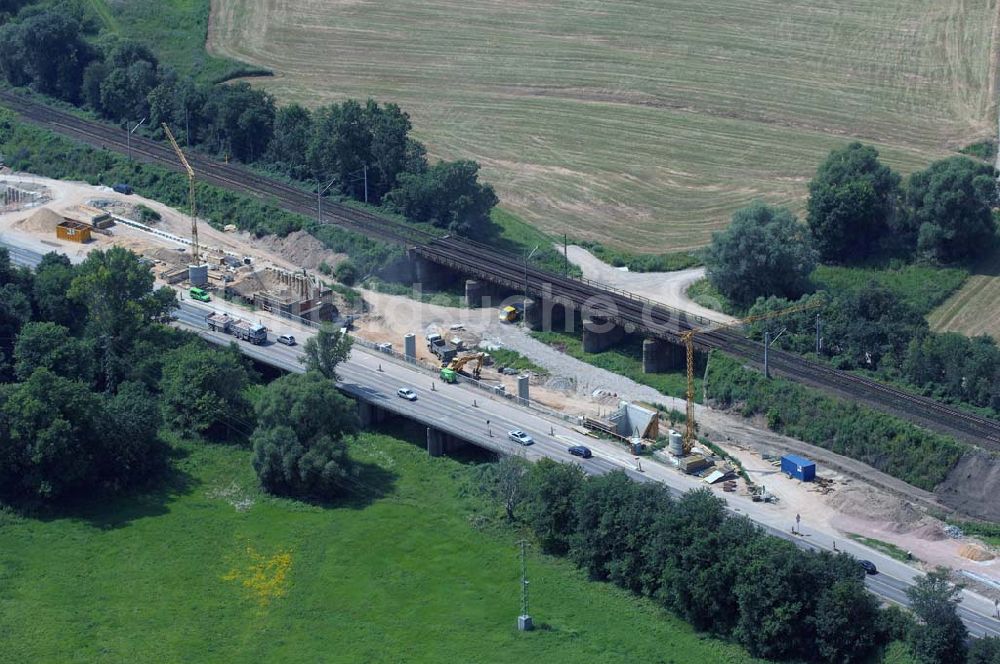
pixel 195 252
pixel 687 338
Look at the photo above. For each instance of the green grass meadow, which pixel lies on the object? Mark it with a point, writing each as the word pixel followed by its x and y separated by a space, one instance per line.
pixel 397 575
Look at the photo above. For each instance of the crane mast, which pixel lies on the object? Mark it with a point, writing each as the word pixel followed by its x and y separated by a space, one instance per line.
pixel 195 252
pixel 687 338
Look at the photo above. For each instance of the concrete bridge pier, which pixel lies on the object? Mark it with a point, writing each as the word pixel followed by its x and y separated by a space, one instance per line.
pixel 369 414
pixel 440 443
pixel 600 333
pixel 435 442
pixel 429 275
pixel 547 314
pixel 661 355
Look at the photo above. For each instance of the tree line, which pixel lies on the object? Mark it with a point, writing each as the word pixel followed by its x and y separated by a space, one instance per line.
pixel 91 378
pixel 365 150
pixel 861 212
pixel 720 572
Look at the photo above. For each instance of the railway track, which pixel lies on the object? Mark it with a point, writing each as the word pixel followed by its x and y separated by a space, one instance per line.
pixel 478 259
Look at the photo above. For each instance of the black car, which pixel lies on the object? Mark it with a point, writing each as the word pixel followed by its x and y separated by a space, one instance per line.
pixel 868 566
pixel 581 451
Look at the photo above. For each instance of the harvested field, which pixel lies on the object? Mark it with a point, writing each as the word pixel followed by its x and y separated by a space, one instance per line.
pixel 975 308
pixel 661 118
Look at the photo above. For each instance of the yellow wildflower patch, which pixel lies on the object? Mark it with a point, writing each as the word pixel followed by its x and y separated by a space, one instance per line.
pixel 264 578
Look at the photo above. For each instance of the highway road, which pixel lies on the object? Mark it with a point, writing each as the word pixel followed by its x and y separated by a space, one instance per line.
pixel 465 410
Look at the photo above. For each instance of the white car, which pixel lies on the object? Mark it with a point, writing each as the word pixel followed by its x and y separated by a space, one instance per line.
pixel 406 393
pixel 520 437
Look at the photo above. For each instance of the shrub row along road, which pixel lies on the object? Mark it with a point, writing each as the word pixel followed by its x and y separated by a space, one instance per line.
pixel 486 262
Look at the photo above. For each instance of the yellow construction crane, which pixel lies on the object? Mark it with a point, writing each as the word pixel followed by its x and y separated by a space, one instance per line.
pixel 688 340
pixel 195 253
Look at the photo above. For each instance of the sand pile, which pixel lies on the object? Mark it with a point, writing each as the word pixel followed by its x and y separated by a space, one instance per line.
pixel 298 248
pixel 42 220
pixel 973 552
pixel 866 503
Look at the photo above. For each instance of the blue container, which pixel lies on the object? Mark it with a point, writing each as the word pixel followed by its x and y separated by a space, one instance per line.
pixel 798 467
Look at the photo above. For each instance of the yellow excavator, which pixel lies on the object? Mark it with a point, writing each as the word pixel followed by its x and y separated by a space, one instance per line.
pixel 449 374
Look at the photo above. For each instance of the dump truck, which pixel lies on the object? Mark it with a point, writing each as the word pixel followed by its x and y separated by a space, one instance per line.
pixel 255 333
pixel 445 351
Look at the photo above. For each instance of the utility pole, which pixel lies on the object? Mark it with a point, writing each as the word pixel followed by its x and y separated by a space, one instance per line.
pixel 819 339
pixel 524 623
pixel 366 183
pixel 565 255
pixel 128 137
pixel 527 257
pixel 319 200
pixel 767 344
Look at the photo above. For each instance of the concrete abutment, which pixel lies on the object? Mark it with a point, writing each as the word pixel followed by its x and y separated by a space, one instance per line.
pixel 661 355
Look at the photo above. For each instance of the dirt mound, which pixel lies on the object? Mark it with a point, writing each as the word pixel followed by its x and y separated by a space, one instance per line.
pixel 43 220
pixel 972 486
pixel 867 503
pixel 930 531
pixel 299 248
pixel 973 552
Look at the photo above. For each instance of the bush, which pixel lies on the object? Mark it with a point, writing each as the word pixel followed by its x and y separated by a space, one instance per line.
pixel 346 273
pixel 889 444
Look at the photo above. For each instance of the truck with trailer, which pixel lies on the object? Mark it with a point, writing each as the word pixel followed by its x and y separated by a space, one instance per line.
pixel 255 333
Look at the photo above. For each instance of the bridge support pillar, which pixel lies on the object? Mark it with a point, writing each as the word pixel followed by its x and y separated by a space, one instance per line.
pixel 599 334
pixel 522 390
pixel 429 275
pixel 435 442
pixel 369 414
pixel 548 313
pixel 661 355
pixel 474 292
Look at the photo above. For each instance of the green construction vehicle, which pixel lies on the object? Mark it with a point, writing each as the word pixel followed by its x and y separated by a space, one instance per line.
pixel 449 375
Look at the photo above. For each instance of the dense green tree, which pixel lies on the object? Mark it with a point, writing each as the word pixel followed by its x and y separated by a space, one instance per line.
pixel 293 129
pixel 48 345
pixel 132 73
pixel 203 391
pixel 56 53
pixel 241 120
pixel 870 324
pixel 324 350
pixel 951 209
pixel 299 445
pixel 984 651
pixel 845 615
pixel 309 404
pixel 341 146
pixel 53 277
pixel 956 367
pixel 550 505
pixel 595 544
pixel 116 290
pixel 48 430
pixel 130 448
pixel 448 195
pixel 940 636
pixel 852 201
pixel 764 252
pixel 15 311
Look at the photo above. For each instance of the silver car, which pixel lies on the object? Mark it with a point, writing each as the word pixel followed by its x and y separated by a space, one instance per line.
pixel 520 437
pixel 406 393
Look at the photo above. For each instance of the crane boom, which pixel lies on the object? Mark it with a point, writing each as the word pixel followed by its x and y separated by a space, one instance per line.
pixel 195 253
pixel 688 339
